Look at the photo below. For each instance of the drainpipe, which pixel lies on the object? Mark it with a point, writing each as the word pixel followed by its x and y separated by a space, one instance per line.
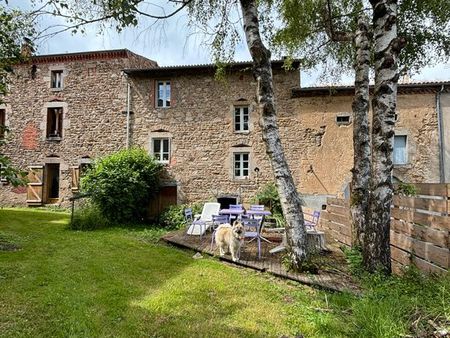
pixel 441 135
pixel 128 115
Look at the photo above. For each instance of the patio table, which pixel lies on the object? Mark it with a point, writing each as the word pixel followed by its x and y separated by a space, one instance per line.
pixel 231 212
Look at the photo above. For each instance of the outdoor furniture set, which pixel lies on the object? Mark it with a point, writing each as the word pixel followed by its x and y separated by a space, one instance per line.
pixel 252 220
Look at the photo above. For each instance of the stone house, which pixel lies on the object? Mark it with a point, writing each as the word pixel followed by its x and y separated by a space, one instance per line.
pixel 63 110
pixel 205 131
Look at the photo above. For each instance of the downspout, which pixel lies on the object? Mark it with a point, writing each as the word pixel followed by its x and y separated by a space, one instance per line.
pixel 128 115
pixel 441 136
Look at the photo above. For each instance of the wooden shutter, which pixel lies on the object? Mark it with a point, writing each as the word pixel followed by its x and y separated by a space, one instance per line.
pixel 35 186
pixel 75 181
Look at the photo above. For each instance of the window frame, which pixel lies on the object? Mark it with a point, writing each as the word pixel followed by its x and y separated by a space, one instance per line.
pixel 241 116
pixel 161 151
pixel 164 99
pixel 2 123
pixel 406 157
pixel 59 124
pixel 241 168
pixel 53 79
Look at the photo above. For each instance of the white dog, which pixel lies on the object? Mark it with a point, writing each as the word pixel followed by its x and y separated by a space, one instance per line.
pixel 229 239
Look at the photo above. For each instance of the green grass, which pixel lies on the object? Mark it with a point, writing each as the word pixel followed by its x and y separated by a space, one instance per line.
pixel 120 282
pixel 117 282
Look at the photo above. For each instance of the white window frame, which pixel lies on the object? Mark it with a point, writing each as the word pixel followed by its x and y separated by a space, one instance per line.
pixel 161 151
pixel 165 98
pixel 405 151
pixel 3 179
pixel 241 162
pixel 239 112
pixel 59 75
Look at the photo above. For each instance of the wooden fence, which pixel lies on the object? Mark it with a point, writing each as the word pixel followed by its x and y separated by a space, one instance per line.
pixel 420 227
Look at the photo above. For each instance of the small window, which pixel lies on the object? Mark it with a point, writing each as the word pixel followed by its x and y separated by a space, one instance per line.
pixel 241 118
pixel 2 123
pixel 57 79
pixel 163 94
pixel 343 120
pixel 400 151
pixel 54 123
pixel 3 179
pixel 161 149
pixel 395 117
pixel 241 165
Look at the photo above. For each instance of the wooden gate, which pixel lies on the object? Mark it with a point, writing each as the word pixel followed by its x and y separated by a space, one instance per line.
pixel 35 185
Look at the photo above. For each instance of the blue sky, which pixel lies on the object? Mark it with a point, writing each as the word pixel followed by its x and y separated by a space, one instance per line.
pixel 169 43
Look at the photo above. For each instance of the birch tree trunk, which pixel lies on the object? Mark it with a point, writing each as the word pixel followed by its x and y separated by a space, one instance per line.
pixel 290 200
pixel 359 204
pixel 376 250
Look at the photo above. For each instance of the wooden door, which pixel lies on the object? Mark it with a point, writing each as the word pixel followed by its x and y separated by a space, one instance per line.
pixel 35 185
pixel 166 197
pixel 75 182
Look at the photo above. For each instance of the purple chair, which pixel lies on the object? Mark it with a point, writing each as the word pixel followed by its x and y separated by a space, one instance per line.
pixel 216 221
pixel 252 227
pixel 257 207
pixel 314 219
pixel 235 207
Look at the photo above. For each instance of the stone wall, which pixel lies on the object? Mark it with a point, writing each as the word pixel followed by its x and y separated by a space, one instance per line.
pixel 93 99
pixel 318 150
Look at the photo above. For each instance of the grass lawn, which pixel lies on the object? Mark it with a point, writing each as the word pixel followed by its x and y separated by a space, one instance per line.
pixel 115 283
pixel 121 283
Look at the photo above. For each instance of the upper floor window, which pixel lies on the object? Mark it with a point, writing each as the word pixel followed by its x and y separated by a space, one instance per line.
pixel 54 122
pixel 57 79
pixel 163 94
pixel 241 165
pixel 400 149
pixel 161 149
pixel 241 116
pixel 2 123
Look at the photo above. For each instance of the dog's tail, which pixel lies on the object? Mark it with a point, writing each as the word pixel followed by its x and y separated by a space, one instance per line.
pixel 224 225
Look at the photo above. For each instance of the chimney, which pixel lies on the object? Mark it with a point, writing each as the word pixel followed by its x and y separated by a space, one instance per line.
pixel 27 48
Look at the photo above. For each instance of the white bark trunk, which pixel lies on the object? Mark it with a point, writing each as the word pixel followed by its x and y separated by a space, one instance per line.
pixel 290 200
pixel 376 250
pixel 361 136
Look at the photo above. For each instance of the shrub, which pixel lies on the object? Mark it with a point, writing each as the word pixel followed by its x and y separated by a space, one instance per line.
pixel 122 184
pixel 173 216
pixel 269 197
pixel 88 217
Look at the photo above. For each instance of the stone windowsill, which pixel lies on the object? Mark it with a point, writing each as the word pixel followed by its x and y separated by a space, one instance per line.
pixel 56 89
pixel 403 166
pixel 245 132
pixel 54 138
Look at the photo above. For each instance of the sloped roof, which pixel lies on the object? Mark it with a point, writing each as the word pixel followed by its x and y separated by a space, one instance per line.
pixel 403 88
pixel 200 68
pixel 81 56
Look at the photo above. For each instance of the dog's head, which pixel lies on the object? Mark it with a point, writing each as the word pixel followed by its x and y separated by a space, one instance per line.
pixel 238 229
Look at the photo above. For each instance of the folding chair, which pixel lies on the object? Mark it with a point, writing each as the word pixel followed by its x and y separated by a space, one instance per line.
pixel 252 229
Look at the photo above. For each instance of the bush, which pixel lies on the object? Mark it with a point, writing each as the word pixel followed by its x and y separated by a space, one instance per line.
pixel 89 217
pixel 173 216
pixel 122 184
pixel 269 197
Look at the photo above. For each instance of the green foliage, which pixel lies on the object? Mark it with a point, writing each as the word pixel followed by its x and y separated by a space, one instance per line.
pixel 406 189
pixel 354 259
pixel 15 26
pixel 173 216
pixel 269 197
pixel 122 184
pixel 89 217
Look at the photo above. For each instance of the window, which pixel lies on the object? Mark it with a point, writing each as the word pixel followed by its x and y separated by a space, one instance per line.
pixel 3 179
pixel 241 165
pixel 2 123
pixel 241 118
pixel 54 123
pixel 343 120
pixel 56 79
pixel 163 94
pixel 161 149
pixel 400 151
